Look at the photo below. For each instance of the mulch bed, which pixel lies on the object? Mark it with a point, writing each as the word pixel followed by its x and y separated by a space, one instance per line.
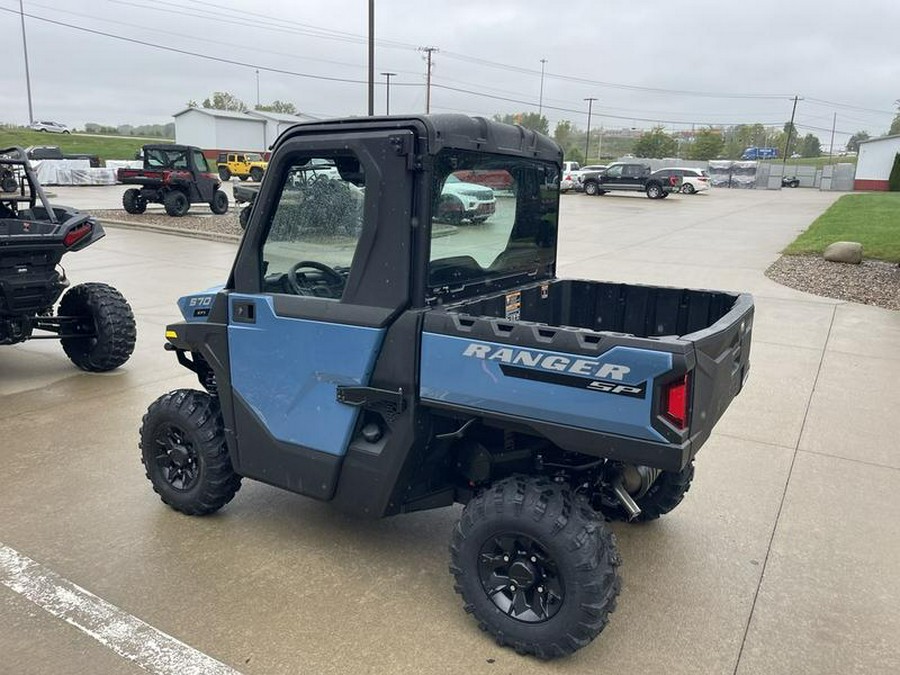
pixel 201 221
pixel 873 282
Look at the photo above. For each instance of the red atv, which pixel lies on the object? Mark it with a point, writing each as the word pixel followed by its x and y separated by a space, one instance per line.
pixel 175 176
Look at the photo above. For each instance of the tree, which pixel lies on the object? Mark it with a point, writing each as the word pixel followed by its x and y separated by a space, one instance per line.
pixel 708 144
pixel 563 132
pixel 894 178
pixel 192 104
pixel 284 107
pixel 656 143
pixel 531 120
pixel 222 100
pixel 853 143
pixel 810 146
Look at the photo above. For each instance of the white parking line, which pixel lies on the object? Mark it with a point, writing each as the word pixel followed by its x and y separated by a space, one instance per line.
pixel 126 635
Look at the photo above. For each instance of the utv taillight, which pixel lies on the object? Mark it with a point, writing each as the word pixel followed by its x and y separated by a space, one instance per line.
pixel 675 402
pixel 74 236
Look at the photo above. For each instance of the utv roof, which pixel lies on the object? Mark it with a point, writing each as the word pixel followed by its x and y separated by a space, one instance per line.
pixel 169 146
pixel 445 131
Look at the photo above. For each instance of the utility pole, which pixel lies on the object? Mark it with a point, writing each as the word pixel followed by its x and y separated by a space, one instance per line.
pixel 787 141
pixel 371 58
pixel 428 51
pixel 27 74
pixel 387 82
pixel 541 100
pixel 833 125
pixel 587 140
pixel 257 87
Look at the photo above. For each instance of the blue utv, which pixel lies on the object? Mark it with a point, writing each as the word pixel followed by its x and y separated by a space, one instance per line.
pixel 366 353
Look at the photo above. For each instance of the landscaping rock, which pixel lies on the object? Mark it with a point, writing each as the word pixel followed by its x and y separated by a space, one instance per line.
pixel 844 252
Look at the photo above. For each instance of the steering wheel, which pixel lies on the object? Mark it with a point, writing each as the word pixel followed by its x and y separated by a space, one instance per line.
pixel 301 288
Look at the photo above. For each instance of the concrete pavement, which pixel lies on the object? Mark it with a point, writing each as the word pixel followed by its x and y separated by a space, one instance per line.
pixel 783 558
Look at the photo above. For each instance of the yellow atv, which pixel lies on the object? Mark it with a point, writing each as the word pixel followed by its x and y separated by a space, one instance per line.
pixel 243 165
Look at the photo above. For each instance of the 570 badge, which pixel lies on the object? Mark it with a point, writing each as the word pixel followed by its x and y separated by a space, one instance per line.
pixel 200 305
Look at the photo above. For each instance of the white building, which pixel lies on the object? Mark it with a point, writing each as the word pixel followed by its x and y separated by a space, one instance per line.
pixel 873 165
pixel 276 123
pixel 220 130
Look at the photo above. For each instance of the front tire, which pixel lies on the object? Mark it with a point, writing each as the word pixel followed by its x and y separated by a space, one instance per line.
pixel 219 203
pixel 176 203
pixel 133 201
pixel 535 566
pixel 591 188
pixel 184 453
pixel 224 173
pixel 256 174
pixel 105 311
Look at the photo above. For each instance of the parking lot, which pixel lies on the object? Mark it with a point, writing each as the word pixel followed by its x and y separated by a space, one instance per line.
pixel 783 558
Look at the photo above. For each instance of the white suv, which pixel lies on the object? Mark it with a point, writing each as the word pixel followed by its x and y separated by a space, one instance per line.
pixel 52 127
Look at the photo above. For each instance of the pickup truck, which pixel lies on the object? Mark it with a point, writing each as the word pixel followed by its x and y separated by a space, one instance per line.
pixel 243 165
pixel 628 177
pixel 360 354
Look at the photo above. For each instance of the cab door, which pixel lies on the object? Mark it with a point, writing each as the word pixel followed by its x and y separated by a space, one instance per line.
pixel 314 291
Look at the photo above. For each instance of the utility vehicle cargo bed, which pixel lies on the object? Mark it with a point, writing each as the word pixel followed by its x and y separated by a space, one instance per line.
pixel 587 363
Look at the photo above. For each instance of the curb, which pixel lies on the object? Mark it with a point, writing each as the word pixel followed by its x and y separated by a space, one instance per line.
pixel 176 231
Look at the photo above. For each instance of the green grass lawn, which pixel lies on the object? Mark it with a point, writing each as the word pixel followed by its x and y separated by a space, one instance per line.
pixel 112 147
pixel 873 219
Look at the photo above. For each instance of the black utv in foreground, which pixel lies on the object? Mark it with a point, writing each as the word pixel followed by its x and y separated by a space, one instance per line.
pixel 359 354
pixel 93 321
pixel 175 176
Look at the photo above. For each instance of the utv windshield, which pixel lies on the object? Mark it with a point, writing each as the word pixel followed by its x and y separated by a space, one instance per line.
pixel 159 158
pixel 494 223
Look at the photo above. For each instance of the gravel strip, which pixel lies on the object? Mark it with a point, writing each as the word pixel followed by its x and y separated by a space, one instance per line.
pixel 197 222
pixel 873 282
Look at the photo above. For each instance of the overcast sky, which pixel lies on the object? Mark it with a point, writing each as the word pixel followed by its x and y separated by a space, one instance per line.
pixel 764 50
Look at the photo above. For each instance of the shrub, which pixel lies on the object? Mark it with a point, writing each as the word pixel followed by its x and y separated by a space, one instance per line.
pixel 894 179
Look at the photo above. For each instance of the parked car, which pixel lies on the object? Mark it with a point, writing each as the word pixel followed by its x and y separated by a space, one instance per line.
pixel 567 182
pixel 790 181
pixel 630 177
pixel 465 201
pixel 583 171
pixel 692 180
pixel 244 165
pixel 52 127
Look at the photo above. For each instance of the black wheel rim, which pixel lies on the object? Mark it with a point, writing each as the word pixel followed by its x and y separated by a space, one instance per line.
pixel 521 578
pixel 176 458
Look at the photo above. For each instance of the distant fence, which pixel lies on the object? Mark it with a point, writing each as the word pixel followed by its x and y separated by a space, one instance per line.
pixel 763 175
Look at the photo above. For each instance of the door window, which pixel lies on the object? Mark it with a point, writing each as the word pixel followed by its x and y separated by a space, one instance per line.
pixel 614 172
pixel 315 227
pixel 200 161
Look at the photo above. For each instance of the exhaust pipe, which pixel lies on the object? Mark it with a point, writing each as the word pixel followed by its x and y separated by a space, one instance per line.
pixel 626 500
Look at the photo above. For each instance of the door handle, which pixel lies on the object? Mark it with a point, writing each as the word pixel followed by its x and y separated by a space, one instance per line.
pixel 243 311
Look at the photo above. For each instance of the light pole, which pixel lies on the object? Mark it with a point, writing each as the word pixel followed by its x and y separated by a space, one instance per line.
pixel 371 58
pixel 541 100
pixel 257 87
pixel 587 139
pixel 27 74
pixel 387 87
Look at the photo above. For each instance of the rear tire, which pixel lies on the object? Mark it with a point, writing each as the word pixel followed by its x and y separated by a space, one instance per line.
pixel 184 453
pixel 133 201
pixel 176 203
pixel 256 174
pixel 688 189
pixel 224 173
pixel 219 203
pixel 106 311
pixel 535 566
pixel 667 492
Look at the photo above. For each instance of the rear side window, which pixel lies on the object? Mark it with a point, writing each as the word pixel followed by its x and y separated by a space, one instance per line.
pixel 633 171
